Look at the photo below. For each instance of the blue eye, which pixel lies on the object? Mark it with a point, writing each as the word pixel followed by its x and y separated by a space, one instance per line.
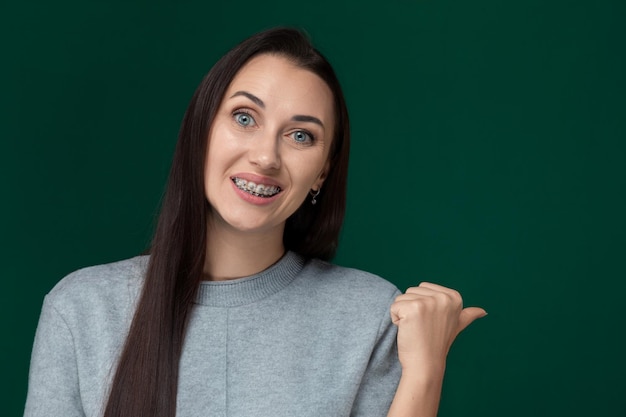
pixel 302 137
pixel 244 119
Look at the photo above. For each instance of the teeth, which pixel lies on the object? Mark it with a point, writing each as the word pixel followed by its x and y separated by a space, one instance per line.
pixel 259 190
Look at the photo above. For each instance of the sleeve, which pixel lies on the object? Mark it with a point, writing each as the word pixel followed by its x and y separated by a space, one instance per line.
pixel 382 375
pixel 53 386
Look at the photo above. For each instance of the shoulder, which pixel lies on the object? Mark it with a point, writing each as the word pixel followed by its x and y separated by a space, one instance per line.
pixel 94 286
pixel 352 277
pixel 334 295
pixel 348 284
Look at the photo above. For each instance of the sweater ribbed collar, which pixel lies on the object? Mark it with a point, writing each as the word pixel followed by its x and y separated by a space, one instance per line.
pixel 247 290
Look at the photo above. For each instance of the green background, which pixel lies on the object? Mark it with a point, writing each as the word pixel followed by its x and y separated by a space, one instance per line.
pixel 488 155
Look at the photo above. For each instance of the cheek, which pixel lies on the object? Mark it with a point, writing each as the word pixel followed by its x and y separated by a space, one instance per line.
pixel 314 163
pixel 221 147
pixel 213 164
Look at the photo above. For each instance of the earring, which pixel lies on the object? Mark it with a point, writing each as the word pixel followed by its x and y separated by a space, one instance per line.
pixel 314 194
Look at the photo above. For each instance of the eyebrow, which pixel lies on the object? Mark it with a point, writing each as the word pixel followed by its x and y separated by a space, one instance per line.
pixel 311 119
pixel 296 118
pixel 252 97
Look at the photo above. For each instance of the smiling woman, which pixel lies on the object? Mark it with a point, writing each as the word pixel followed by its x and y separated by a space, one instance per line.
pixel 268 144
pixel 237 311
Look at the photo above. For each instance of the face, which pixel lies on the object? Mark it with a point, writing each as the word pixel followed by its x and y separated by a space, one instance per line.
pixel 268 145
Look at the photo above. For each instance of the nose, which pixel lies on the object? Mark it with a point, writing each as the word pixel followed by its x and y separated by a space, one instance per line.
pixel 264 151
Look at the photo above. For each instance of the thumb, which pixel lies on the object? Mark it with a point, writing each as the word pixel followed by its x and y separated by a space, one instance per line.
pixel 468 315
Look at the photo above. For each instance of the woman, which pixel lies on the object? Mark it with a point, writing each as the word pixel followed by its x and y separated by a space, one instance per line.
pixel 235 311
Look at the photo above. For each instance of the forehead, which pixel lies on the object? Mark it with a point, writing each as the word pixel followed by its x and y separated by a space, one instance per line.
pixel 282 85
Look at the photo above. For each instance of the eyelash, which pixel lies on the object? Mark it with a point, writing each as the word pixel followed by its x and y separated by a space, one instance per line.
pixel 246 112
pixel 239 112
pixel 311 136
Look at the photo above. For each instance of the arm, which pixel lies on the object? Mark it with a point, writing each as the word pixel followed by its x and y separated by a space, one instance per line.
pixel 429 318
pixel 53 380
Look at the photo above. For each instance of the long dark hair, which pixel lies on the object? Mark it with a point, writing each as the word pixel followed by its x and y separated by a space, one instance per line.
pixel 146 379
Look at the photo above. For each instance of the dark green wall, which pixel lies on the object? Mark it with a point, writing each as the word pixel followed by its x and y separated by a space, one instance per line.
pixel 488 155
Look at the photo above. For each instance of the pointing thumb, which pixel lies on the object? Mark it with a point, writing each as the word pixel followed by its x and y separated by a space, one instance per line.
pixel 468 315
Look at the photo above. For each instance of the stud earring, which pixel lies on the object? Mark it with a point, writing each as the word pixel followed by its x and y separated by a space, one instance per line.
pixel 314 194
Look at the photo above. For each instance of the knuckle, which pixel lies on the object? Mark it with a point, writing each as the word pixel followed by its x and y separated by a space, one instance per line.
pixel 456 295
pixel 411 290
pixel 443 298
pixel 417 307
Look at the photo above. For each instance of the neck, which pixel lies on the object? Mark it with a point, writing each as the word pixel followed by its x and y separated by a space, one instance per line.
pixel 234 254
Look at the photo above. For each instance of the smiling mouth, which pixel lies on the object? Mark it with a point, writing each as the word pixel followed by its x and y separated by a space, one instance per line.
pixel 258 190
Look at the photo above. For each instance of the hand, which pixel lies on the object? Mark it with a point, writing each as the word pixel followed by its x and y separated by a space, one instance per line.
pixel 429 317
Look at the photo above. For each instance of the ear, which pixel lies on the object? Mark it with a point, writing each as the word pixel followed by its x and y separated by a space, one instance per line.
pixel 322 176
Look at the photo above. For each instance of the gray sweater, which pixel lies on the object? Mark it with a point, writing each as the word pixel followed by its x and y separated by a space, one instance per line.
pixel 302 338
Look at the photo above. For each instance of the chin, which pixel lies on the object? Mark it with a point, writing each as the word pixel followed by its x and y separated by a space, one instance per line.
pixel 251 225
